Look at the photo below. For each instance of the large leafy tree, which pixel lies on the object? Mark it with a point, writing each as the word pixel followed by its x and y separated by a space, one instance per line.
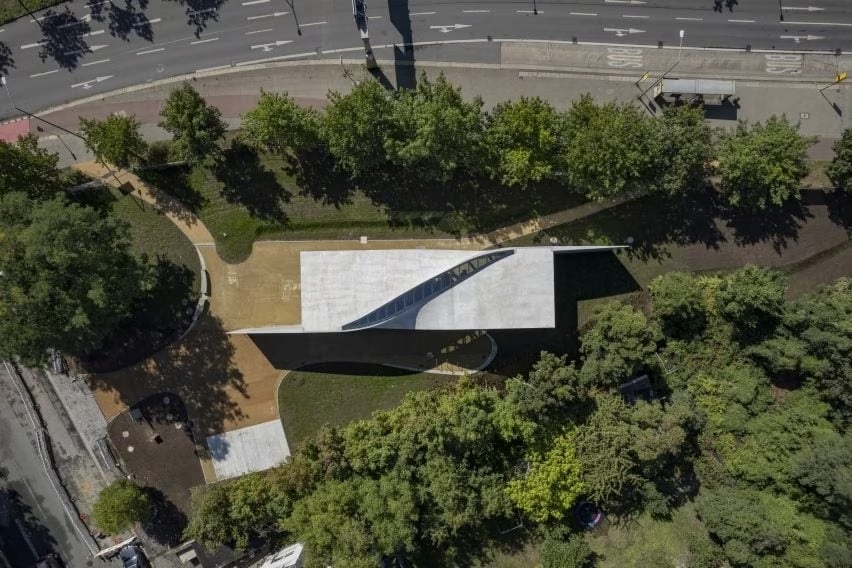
pixel 195 125
pixel 679 303
pixel 839 171
pixel 120 505
pixel 763 165
pixel 609 149
pixel 355 126
pixel 550 394
pixel 687 149
pixel 523 136
pixel 618 343
pixel 68 276
pixel 551 484
pixel 277 124
pixel 437 132
pixel 752 300
pixel 27 168
pixel 115 140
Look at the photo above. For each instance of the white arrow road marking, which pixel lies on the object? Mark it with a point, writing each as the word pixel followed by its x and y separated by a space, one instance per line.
pixel 798 38
pixel 632 2
pixel 91 48
pixel 803 8
pixel 620 32
pixel 448 29
pixel 84 20
pixel 272 15
pixel 272 45
pixel 88 84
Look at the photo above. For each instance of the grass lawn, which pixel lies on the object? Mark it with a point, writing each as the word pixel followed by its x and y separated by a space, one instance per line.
pixel 338 394
pixel 244 196
pixel 11 9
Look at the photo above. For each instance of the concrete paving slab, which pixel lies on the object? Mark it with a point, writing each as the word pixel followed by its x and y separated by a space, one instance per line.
pixel 254 448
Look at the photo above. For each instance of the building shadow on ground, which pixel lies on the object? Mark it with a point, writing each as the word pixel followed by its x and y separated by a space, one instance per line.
pixel 403 55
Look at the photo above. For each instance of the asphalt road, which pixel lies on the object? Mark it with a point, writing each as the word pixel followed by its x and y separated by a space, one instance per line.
pixel 86 48
pixel 32 520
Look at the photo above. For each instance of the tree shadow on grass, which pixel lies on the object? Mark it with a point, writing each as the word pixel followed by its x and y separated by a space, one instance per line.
pixel 840 208
pixel 63 39
pixel 776 225
pixel 167 521
pixel 247 182
pixel 650 224
pixel 159 317
pixel 200 369
pixel 318 178
pixel 6 60
pixel 172 191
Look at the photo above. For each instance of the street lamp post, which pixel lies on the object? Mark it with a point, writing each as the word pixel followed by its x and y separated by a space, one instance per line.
pixel 680 47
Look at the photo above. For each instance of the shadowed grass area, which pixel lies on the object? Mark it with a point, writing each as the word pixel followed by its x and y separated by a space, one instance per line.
pixel 338 394
pixel 243 196
pixel 12 9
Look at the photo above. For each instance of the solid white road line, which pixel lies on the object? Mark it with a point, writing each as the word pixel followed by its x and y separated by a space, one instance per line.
pixel 45 73
pixel 259 31
pixel 690 19
pixel 253 2
pixel 212 68
pixel 476 11
pixel 422 13
pixel 818 23
pixel 279 58
pixel 374 17
pixel 742 21
pixel 147 22
pixel 94 62
pixel 150 51
pixel 529 12
pixel 203 41
pixel 313 24
pixel 633 16
pixel 582 14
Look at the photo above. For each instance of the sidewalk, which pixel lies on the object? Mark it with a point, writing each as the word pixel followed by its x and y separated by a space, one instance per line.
pixel 783 84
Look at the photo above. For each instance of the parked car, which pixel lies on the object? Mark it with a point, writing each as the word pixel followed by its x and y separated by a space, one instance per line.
pixel 133 557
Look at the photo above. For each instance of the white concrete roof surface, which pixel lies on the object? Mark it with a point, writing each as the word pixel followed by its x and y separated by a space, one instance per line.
pixel 254 448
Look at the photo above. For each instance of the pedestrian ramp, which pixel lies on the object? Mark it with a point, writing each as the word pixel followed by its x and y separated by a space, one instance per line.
pixel 254 448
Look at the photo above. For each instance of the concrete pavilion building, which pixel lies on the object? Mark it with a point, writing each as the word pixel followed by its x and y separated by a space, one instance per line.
pixel 424 289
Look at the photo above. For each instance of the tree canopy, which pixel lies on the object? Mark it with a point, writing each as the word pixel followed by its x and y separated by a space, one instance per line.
pixel 839 171
pixel 763 165
pixel 120 505
pixel 277 124
pixel 115 140
pixel 24 167
pixel 195 125
pixel 68 276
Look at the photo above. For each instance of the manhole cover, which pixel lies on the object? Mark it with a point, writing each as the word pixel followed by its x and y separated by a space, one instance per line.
pixel 130 449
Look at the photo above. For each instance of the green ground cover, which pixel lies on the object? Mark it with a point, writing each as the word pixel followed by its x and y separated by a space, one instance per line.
pixel 245 196
pixel 337 394
pixel 12 9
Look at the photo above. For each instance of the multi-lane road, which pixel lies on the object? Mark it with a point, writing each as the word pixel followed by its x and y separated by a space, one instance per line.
pixel 91 46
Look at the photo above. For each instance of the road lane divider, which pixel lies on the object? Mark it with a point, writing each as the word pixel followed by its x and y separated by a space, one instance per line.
pixel 94 62
pixel 196 42
pixel 150 51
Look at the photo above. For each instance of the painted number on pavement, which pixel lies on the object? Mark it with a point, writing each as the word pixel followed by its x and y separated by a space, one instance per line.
pixel 624 57
pixel 783 63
